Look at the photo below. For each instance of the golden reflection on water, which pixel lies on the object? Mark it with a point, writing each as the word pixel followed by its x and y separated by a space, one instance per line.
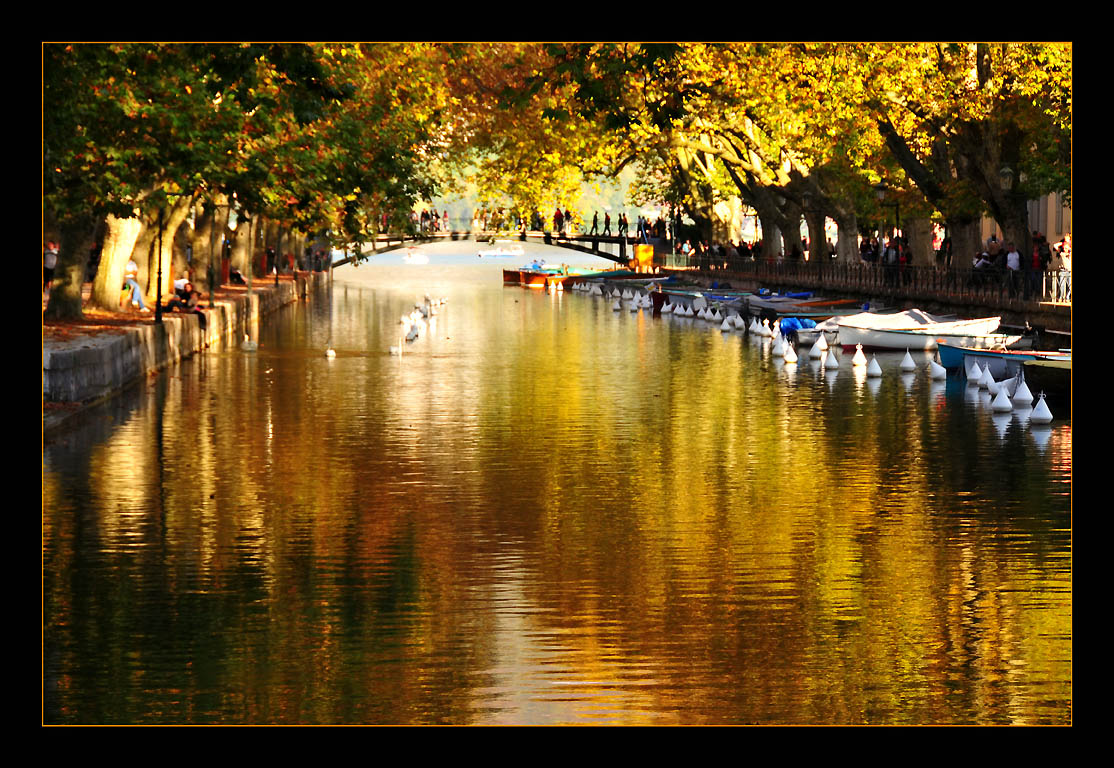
pixel 545 511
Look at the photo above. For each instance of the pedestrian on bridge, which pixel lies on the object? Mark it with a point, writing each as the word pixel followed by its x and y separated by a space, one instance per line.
pixel 595 223
pixel 607 225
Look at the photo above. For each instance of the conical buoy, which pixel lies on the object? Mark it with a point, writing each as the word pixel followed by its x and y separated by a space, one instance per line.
pixel 790 354
pixel 1002 402
pixel 985 380
pixel 907 363
pixel 936 371
pixel 822 342
pixel 859 358
pixel 1041 414
pixel 727 325
pixel 1022 397
pixel 779 347
pixel 616 306
pixel 666 308
pixel 873 369
pixel 831 360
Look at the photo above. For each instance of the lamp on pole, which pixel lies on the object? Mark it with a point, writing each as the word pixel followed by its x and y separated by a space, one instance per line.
pixel 158 278
pixel 880 191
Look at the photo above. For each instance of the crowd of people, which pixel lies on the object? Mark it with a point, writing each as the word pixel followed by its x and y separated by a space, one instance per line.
pixel 1001 261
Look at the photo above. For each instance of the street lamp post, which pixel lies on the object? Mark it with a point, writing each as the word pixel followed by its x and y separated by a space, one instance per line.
pixel 158 278
pixel 880 191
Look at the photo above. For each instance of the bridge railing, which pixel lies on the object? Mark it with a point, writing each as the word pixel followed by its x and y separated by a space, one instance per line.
pixel 990 286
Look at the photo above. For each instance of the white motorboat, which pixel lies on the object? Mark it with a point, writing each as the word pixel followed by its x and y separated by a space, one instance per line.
pixel 916 329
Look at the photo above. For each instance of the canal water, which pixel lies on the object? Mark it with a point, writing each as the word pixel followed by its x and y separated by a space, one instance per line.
pixel 545 511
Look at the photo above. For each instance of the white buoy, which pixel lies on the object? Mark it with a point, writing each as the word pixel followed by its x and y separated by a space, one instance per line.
pixel 766 331
pixel 822 342
pixel 907 363
pixel 985 380
pixel 667 308
pixel 1002 402
pixel 859 358
pixel 972 369
pixel 831 360
pixel 248 345
pixel 1041 414
pixel 726 325
pixel 873 369
pixel 790 354
pixel 936 371
pixel 1022 397
pixel 779 347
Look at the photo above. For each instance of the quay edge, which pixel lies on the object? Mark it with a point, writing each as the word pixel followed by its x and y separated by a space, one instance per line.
pixel 87 370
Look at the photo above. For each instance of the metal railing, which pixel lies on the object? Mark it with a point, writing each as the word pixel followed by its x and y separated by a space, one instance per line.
pixel 990 286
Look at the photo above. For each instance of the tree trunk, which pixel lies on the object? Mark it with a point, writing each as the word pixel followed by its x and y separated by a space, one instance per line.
pixel 205 245
pixel 771 235
pixel 967 242
pixel 790 223
pixel 241 245
pixel 144 245
pixel 847 244
pixel 817 237
pixel 119 243
pixel 920 242
pixel 161 260
pixel 74 242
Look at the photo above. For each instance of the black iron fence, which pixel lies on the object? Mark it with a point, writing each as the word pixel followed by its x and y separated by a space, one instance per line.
pixel 983 286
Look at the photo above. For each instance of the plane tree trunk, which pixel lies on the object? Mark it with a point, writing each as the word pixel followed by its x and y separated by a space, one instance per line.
pixel 119 243
pixel 75 238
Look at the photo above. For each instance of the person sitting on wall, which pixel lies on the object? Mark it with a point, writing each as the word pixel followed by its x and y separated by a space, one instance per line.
pixel 236 277
pixel 187 300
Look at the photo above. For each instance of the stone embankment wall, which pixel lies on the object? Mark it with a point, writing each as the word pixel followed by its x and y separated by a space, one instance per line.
pixel 88 369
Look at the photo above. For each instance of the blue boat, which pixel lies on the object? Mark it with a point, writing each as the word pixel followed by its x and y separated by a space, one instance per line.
pixel 1002 362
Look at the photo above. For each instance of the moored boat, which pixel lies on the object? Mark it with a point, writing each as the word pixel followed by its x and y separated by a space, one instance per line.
pixel 1002 362
pixel 914 329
